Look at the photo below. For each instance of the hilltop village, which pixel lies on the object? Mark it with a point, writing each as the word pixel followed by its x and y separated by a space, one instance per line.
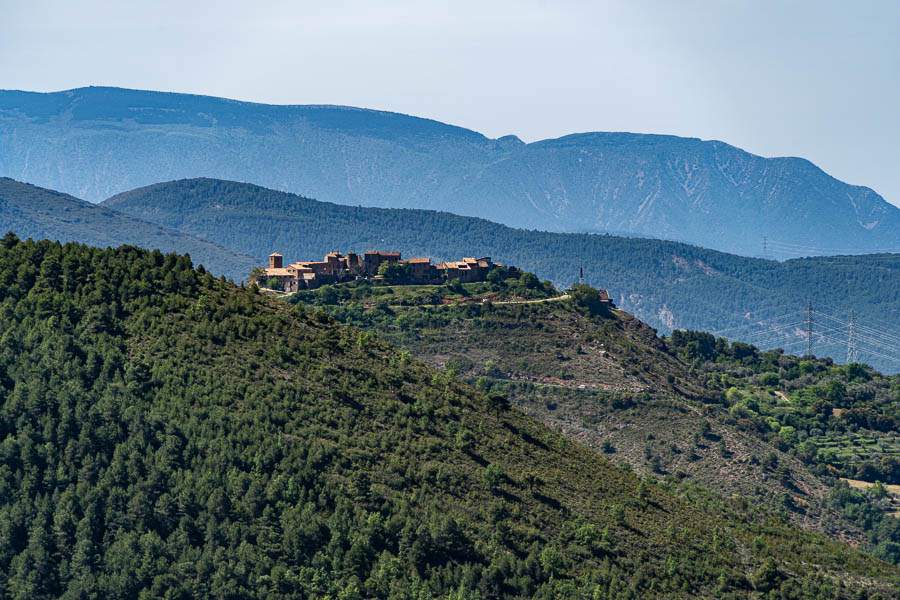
pixel 338 268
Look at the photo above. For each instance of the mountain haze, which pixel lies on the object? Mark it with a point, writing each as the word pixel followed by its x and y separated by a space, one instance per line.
pixel 95 142
pixel 30 211
pixel 667 284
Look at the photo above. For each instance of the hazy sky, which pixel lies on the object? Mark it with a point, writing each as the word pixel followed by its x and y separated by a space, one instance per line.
pixel 817 78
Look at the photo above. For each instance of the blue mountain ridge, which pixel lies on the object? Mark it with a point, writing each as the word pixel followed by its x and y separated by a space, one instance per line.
pixel 96 142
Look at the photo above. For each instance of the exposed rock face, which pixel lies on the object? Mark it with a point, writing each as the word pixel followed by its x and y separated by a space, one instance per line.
pixel 666 317
pixel 96 142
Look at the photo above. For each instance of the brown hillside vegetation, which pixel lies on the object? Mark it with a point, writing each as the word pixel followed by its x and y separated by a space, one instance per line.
pixel 612 384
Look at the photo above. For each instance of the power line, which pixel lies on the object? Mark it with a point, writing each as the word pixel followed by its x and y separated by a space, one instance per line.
pixel 823 342
pixel 876 333
pixel 856 250
pixel 828 332
pixel 776 328
pixel 864 329
pixel 809 329
pixel 819 333
pixel 832 251
pixel 778 340
pixel 825 336
pixel 879 354
pixel 824 255
pixel 875 344
pixel 780 343
pixel 767 321
pixel 872 345
pixel 756 314
pixel 855 258
pixel 852 350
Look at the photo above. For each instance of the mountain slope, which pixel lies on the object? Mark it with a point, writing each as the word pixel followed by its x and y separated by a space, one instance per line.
pixel 666 284
pixel 95 142
pixel 609 382
pixel 30 211
pixel 704 192
pixel 187 438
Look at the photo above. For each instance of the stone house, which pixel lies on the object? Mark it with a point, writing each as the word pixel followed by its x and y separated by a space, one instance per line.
pixel 336 268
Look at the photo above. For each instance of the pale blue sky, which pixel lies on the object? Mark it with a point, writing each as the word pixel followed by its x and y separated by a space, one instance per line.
pixel 812 78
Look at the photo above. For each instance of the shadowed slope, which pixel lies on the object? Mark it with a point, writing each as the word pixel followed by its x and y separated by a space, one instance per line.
pixel 30 211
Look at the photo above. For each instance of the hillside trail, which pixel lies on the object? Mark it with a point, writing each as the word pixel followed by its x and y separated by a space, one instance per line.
pixel 553 299
pixel 281 294
pixel 494 302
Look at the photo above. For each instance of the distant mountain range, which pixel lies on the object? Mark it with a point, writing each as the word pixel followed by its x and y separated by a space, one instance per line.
pixel 30 211
pixel 95 142
pixel 667 284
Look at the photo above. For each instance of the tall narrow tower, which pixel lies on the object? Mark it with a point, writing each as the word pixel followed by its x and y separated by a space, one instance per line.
pixel 581 274
pixel 809 329
pixel 852 350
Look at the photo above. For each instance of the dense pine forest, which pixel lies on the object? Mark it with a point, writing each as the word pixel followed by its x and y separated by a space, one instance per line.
pixel 169 434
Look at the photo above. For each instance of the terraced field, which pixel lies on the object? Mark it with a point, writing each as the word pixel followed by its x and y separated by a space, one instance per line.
pixel 854 448
pixel 892 490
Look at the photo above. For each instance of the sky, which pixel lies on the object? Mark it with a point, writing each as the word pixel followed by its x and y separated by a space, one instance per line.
pixel 818 79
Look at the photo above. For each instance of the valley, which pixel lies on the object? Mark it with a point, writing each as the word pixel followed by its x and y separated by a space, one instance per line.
pixel 449 301
pixel 326 462
pixel 666 284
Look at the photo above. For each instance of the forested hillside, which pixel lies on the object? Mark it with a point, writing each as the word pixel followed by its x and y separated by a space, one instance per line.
pixel 841 421
pixel 95 142
pixel 167 434
pixel 773 428
pixel 667 284
pixel 30 211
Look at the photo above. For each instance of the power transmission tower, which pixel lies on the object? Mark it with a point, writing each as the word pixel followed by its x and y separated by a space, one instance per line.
pixel 809 329
pixel 766 247
pixel 852 350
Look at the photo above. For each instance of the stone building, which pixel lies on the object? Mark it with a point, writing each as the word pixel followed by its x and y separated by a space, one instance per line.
pixel 373 259
pixel 337 268
pixel 469 270
pixel 421 270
